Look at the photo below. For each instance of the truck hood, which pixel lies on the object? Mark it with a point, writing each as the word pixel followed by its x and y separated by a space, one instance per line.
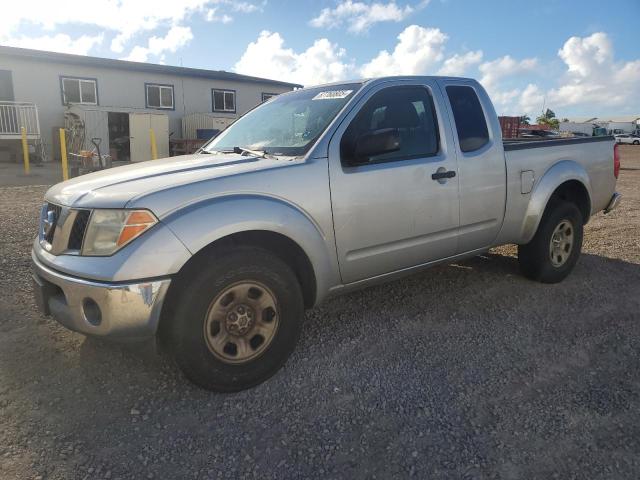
pixel 115 187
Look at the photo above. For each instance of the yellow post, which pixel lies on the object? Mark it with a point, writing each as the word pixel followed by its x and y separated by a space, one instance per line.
pixel 25 150
pixel 154 148
pixel 63 155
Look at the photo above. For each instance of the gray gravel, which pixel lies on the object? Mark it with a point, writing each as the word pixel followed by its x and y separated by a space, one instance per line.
pixel 465 371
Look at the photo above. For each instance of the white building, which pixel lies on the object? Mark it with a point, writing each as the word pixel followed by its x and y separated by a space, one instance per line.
pixel 613 124
pixel 115 100
pixel 620 123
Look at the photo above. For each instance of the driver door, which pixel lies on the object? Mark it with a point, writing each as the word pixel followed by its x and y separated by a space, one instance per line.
pixel 399 209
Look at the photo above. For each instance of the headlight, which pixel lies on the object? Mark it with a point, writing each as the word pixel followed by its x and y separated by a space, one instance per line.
pixel 110 230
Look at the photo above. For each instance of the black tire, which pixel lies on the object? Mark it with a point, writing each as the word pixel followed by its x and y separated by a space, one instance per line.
pixel 636 142
pixel 185 333
pixel 535 257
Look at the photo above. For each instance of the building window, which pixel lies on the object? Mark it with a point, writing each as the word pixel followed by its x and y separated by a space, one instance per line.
pixel 159 96
pixel 224 100
pixel 267 96
pixel 79 90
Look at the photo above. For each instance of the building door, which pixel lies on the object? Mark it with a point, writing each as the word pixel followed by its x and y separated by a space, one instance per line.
pixel 119 136
pixel 160 126
pixel 6 86
pixel 139 126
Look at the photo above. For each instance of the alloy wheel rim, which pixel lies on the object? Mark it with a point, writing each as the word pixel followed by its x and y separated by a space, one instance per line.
pixel 241 322
pixel 561 243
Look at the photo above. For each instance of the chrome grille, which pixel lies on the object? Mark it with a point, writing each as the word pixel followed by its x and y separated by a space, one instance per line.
pixel 49 222
pixel 62 229
pixel 77 231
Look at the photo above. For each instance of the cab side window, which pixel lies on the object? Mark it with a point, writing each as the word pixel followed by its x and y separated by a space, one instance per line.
pixel 471 124
pixel 409 110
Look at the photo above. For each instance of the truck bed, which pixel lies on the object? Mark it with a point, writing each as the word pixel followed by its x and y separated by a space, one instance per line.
pixel 527 158
pixel 524 143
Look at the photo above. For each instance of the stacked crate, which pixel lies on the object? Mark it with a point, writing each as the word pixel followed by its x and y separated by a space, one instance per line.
pixel 509 126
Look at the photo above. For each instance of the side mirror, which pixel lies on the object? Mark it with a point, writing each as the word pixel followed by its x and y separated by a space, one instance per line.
pixel 376 142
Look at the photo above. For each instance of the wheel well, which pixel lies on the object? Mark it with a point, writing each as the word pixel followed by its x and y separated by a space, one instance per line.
pixel 575 192
pixel 283 247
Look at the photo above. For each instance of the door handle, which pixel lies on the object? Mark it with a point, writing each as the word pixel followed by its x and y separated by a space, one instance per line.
pixel 442 175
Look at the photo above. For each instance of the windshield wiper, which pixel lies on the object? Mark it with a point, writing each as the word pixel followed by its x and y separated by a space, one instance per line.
pixel 257 153
pixel 239 151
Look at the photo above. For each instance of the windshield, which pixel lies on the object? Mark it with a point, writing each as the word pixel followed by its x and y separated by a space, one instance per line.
pixel 288 124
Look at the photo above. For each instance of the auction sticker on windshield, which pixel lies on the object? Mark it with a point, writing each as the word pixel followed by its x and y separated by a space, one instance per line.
pixel 331 94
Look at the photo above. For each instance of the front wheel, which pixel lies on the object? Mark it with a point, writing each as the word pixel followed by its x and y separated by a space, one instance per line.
pixel 555 248
pixel 636 142
pixel 236 320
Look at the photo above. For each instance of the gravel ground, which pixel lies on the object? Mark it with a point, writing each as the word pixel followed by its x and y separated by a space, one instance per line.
pixel 465 371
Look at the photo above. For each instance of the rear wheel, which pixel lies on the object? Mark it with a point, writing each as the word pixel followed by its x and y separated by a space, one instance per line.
pixel 236 320
pixel 636 142
pixel 555 248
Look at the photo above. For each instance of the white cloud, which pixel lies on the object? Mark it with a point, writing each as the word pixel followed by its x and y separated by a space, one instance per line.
pixel 458 64
pixel 593 76
pixel 502 67
pixel 214 16
pixel 60 42
pixel 138 54
pixel 417 50
pixel 531 101
pixel 267 57
pixel 593 82
pixel 496 76
pixel 246 7
pixel 175 38
pixel 586 56
pixel 360 16
pixel 124 19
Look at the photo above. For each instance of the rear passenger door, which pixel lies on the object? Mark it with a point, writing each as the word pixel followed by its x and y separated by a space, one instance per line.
pixel 389 212
pixel 481 164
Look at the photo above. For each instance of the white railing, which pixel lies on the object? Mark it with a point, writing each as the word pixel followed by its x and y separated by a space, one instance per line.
pixel 15 115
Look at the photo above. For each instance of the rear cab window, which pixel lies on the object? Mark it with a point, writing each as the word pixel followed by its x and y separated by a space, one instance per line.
pixel 471 124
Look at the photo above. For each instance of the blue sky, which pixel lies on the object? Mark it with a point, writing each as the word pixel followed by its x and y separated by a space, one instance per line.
pixel 578 58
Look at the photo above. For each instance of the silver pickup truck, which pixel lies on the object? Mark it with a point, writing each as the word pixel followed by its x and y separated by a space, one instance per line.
pixel 313 193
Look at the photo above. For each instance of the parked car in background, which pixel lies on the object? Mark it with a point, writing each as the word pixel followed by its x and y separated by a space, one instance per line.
pixel 628 138
pixel 313 193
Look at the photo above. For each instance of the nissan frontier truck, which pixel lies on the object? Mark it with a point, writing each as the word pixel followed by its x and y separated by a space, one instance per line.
pixel 313 193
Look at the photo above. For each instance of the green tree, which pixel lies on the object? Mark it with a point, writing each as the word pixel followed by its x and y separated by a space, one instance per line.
pixel 549 119
pixel 525 119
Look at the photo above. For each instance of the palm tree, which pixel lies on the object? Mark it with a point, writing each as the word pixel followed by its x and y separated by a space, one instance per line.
pixel 549 119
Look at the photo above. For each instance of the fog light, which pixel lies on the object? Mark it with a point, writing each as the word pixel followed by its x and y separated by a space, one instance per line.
pixel 91 311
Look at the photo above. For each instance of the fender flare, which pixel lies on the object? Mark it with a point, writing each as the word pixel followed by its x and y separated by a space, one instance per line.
pixel 562 172
pixel 200 224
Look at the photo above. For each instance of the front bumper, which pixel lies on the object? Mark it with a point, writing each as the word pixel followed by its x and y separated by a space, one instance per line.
pixel 118 310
